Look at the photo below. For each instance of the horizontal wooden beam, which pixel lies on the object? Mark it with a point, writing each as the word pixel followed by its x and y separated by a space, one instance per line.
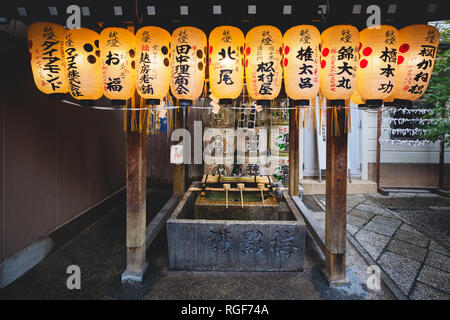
pixel 316 230
pixel 160 219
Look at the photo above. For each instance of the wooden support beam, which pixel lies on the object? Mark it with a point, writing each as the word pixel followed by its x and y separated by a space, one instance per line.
pixel 136 207
pixel 336 197
pixel 179 170
pixel 160 219
pixel 294 160
pixel 442 159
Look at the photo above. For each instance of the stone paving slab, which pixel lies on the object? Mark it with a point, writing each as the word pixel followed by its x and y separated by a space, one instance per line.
pixel 406 227
pixel 373 209
pixel 387 221
pixel 408 250
pixel 361 214
pixel 433 222
pixel 401 269
pixel 438 260
pixel 435 278
pixel 437 248
pixel 352 229
pixel 383 229
pixel 423 292
pixel 356 221
pixel 374 243
pixel 411 237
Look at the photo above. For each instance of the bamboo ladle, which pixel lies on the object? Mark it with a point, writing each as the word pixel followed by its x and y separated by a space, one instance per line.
pixel 226 187
pixel 241 187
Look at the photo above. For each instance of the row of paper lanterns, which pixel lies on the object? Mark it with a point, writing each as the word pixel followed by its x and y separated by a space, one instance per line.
pixel 373 66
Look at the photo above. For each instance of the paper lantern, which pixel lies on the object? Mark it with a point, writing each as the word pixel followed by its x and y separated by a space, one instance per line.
pixel 153 63
pixel 263 71
pixel 301 63
pixel 226 63
pixel 188 64
pixel 389 101
pixel 45 43
pixel 82 55
pixel 417 50
pixel 339 62
pixel 117 48
pixel 356 98
pixel 377 63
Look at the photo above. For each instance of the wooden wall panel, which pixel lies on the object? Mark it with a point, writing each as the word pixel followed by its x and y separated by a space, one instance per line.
pixel 59 159
pixel 73 175
pixel 30 157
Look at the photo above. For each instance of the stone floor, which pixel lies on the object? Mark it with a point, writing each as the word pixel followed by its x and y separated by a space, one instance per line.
pixel 407 234
pixel 99 251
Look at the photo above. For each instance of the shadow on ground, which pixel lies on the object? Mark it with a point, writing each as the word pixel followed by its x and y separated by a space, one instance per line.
pixel 100 251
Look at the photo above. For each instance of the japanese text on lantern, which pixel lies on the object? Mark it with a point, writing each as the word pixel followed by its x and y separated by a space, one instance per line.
pixel 389 57
pixel 227 52
pixel 344 71
pixel 265 70
pixel 424 64
pixel 114 59
pixel 51 65
pixel 181 71
pixel 148 57
pixel 307 57
pixel 72 67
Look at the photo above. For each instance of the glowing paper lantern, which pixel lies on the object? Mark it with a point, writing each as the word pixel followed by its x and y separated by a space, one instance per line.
pixel 263 71
pixel 45 42
pixel 188 64
pixel 82 55
pixel 339 62
pixel 301 63
pixel 117 48
pixel 226 63
pixel 153 63
pixel 389 101
pixel 377 64
pixel 417 50
pixel 356 98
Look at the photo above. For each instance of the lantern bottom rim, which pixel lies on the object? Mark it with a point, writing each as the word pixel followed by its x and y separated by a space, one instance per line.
pixel 263 103
pixel 56 96
pixel 337 102
pixel 185 102
pixel 118 102
pixel 402 102
pixel 153 102
pixel 225 101
pixel 371 103
pixel 300 103
pixel 87 102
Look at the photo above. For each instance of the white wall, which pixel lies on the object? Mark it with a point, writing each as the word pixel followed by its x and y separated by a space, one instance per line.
pixel 393 153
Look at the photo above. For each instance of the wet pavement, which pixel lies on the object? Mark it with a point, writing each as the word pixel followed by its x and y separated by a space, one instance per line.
pixel 407 234
pixel 100 253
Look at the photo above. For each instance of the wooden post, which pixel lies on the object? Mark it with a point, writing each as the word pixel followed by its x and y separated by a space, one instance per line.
pixel 336 198
pixel 179 170
pixel 294 161
pixel 441 159
pixel 379 119
pixel 136 206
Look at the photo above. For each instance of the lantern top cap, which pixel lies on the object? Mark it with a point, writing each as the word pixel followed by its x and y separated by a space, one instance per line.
pixel 152 27
pixel 379 26
pixel 83 30
pixel 414 26
pixel 236 29
pixel 116 28
pixel 198 30
pixel 341 26
pixel 309 26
